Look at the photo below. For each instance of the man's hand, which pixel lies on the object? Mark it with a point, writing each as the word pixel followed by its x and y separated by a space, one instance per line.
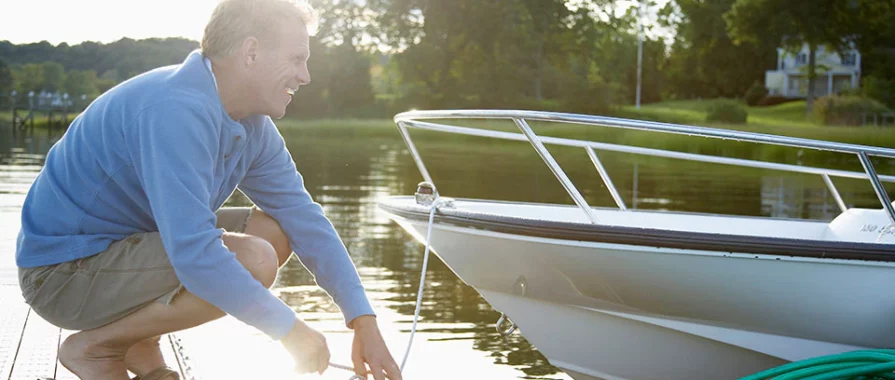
pixel 307 347
pixel 369 348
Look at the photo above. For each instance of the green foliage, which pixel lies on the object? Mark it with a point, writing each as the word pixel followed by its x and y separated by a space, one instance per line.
pixel 53 77
pixel 878 66
pixel 350 90
pixel 693 112
pixel 41 66
pixel 726 111
pixel 81 82
pixel 845 110
pixel 881 89
pixel 755 94
pixel 589 93
pixel 457 54
pixel 704 61
pixel 126 56
pixel 29 78
pixel 6 81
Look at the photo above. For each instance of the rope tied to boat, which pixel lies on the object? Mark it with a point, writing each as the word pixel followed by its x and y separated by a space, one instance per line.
pixel 436 203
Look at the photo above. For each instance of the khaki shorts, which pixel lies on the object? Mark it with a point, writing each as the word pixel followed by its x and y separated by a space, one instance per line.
pixel 94 291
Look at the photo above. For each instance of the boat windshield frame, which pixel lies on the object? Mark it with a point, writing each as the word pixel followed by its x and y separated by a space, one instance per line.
pixel 415 119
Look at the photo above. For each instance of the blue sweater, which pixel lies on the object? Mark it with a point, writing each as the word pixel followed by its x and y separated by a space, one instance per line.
pixel 159 153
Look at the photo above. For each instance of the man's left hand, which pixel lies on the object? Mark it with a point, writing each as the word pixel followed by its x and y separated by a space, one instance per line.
pixel 369 350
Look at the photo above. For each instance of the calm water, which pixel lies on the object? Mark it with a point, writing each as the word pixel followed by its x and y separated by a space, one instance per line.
pixel 347 170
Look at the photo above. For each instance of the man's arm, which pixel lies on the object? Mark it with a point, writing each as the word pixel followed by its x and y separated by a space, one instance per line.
pixel 173 147
pixel 274 184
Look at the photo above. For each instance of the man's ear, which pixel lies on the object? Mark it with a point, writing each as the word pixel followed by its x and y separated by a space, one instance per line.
pixel 249 50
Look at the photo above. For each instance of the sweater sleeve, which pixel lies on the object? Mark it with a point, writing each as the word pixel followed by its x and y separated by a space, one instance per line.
pixel 274 184
pixel 173 148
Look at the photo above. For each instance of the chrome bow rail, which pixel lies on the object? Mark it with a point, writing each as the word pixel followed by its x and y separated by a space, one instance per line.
pixel 414 119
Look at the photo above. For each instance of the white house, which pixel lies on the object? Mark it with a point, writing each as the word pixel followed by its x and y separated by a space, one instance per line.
pixel 834 72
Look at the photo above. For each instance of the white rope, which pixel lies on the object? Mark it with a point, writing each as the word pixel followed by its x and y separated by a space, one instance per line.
pixel 419 296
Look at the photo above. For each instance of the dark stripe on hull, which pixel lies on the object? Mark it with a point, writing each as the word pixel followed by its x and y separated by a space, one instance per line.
pixel 653 237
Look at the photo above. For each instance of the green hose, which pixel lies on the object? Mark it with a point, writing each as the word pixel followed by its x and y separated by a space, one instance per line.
pixel 856 365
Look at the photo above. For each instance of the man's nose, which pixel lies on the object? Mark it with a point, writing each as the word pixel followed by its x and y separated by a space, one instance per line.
pixel 304 76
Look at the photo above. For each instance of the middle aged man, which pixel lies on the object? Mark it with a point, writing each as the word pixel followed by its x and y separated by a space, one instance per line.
pixel 123 237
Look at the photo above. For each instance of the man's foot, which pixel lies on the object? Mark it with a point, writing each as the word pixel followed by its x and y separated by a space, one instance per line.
pixel 144 357
pixel 161 373
pixel 90 360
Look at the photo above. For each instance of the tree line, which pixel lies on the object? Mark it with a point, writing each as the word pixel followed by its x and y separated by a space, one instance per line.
pixel 387 56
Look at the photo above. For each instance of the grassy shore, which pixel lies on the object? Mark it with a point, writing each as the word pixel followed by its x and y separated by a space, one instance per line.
pixel 791 114
pixel 786 119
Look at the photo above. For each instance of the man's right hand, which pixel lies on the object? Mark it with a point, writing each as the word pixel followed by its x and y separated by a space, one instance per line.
pixel 307 347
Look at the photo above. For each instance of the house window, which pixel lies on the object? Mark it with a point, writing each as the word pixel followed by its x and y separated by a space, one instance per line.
pixel 801 59
pixel 849 59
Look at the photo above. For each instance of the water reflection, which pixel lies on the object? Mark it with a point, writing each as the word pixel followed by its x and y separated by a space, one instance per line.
pixel 794 197
pixel 20 161
pixel 347 182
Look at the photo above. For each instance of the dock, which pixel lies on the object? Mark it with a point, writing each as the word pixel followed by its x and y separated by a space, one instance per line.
pixel 29 345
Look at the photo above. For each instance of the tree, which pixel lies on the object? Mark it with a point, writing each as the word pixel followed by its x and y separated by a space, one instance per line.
pixel 29 78
pixel 878 65
pixel 545 30
pixel 836 23
pixel 81 82
pixel 704 61
pixel 6 82
pixel 125 56
pixel 460 54
pixel 350 91
pixel 54 77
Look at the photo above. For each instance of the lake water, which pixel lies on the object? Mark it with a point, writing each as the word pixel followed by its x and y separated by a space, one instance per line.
pixel 347 169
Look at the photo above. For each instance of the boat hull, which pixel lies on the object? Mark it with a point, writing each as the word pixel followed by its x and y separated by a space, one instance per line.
pixel 600 310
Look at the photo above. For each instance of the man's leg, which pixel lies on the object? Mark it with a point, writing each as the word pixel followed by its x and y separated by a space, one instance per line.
pixel 266 227
pixel 146 355
pixel 100 353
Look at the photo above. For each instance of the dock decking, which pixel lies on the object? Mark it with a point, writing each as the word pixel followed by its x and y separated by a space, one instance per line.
pixel 29 344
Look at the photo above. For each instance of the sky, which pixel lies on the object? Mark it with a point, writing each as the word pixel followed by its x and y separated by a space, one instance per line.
pixel 76 21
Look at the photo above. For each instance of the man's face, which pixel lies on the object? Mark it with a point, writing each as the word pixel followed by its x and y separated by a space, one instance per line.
pixel 281 67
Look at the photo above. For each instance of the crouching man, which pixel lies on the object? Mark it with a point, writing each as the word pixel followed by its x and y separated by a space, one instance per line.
pixel 123 235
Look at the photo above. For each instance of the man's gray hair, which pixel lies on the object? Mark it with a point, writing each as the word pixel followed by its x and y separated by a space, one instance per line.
pixel 235 20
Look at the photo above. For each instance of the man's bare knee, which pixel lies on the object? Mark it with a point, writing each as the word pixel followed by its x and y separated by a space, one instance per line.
pixel 265 226
pixel 256 254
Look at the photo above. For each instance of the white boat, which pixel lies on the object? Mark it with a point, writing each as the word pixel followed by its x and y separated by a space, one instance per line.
pixel 615 293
